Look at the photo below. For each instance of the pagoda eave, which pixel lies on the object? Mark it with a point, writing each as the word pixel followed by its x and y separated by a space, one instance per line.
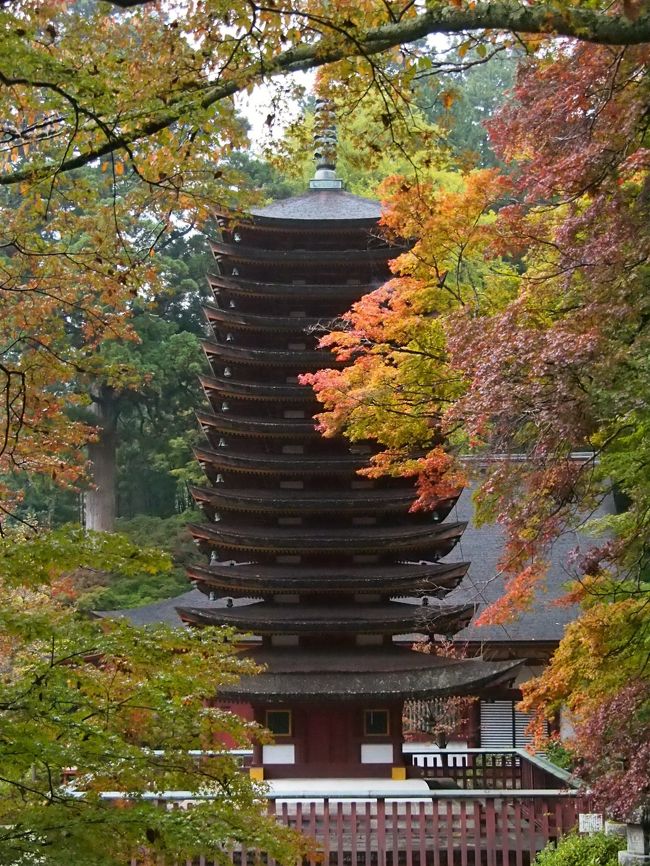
pixel 246 426
pixel 304 258
pixel 343 292
pixel 257 391
pixel 290 501
pixel 236 320
pixel 430 540
pixel 303 360
pixel 390 618
pixel 434 579
pixel 282 464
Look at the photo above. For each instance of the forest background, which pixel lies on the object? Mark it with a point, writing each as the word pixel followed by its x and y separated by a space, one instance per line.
pixel 516 324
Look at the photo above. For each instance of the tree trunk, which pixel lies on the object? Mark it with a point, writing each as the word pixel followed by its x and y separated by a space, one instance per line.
pixel 100 501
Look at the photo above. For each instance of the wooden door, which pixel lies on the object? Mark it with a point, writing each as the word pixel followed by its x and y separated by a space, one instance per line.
pixel 329 736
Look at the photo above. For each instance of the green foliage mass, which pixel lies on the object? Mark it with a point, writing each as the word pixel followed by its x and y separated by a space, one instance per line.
pixel 34 560
pixel 92 706
pixel 574 850
pixel 117 591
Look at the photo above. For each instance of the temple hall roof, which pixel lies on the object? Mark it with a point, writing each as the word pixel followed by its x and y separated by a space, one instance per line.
pixel 390 672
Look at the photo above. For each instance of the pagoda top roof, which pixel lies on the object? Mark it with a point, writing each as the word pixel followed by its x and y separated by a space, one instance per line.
pixel 321 206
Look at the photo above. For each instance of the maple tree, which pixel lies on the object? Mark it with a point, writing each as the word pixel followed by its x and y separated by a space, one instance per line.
pixel 541 362
pixel 400 385
pixel 517 326
pixel 598 673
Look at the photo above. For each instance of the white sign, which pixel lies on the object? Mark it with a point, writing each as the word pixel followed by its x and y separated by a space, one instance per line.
pixel 590 822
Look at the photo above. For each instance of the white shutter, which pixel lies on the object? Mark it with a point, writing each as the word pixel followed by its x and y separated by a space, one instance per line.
pixel 496 724
pixel 522 720
pixel 498 721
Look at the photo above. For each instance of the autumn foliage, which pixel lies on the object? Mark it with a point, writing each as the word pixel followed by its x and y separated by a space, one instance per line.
pixel 516 328
pixel 516 324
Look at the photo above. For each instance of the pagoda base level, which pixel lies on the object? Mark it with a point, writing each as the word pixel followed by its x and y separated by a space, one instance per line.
pixel 356 739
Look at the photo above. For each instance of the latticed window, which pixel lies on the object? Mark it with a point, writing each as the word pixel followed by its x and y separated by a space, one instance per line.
pixel 436 716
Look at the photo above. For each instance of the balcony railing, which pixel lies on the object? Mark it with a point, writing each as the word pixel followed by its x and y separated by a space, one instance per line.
pixel 496 769
pixel 498 808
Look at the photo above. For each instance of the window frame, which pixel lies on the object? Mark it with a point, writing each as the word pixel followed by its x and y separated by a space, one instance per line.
pixel 369 733
pixel 287 713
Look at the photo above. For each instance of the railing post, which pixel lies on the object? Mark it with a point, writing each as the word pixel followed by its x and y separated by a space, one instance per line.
pixel 490 831
pixel 528 774
pixel 381 831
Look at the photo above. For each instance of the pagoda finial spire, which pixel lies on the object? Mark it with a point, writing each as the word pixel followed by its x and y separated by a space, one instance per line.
pixel 325 140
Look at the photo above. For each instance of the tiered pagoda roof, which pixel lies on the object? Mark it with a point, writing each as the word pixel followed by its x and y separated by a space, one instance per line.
pixel 330 562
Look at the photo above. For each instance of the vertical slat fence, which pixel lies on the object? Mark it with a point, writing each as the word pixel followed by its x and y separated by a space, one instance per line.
pixel 474 829
pixel 480 811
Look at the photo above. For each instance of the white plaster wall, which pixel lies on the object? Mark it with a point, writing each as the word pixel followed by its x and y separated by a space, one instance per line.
pixel 279 754
pixel 376 753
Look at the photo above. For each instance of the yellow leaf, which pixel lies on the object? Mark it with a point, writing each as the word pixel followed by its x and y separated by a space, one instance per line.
pixel 119 168
pixel 447 97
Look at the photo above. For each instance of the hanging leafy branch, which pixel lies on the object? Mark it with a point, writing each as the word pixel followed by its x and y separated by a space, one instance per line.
pixel 91 706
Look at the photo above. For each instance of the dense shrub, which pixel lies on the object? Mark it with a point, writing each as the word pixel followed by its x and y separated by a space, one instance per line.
pixel 595 850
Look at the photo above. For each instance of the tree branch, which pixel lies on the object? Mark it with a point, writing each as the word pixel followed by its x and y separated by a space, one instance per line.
pixel 506 16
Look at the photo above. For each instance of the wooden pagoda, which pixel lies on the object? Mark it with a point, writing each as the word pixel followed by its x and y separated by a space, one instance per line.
pixel 322 566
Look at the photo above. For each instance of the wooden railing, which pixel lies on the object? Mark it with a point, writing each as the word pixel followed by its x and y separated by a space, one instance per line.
pixel 489 816
pixel 496 769
pixel 468 828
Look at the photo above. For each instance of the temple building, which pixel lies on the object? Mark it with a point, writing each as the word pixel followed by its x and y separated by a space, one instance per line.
pixel 324 568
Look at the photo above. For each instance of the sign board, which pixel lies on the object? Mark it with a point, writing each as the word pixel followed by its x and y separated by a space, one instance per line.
pixel 590 822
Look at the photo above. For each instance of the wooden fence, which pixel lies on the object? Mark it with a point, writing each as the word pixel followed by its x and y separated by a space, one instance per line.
pixel 488 816
pixel 464 829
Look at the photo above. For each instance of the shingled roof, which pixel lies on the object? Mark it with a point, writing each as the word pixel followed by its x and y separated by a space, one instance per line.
pixel 378 673
pixel 320 205
pixel 481 546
